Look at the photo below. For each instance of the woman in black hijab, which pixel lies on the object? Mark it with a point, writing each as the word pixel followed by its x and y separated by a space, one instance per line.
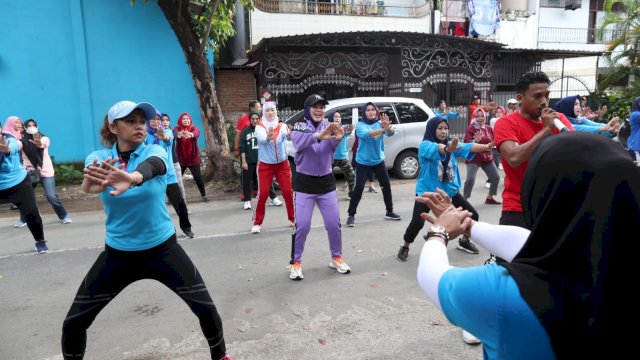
pixel 563 290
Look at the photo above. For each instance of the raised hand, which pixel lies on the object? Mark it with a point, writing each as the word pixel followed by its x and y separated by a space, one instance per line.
pixel 438 201
pixel 477 136
pixel 117 178
pixel 547 117
pixel 456 221
pixel 159 130
pixel 338 131
pixel 270 134
pixel 384 120
pixel 37 139
pixel 4 145
pixel 453 145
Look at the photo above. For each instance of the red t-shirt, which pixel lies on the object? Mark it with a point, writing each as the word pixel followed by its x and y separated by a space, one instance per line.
pixel 243 122
pixel 517 128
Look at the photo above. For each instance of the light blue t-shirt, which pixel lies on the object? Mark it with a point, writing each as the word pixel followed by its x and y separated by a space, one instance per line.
pixel 11 171
pixel 370 150
pixel 172 178
pixel 138 219
pixel 485 301
pixel 431 168
pixel 342 151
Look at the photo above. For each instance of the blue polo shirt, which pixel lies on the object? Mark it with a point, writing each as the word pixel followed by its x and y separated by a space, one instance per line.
pixel 370 150
pixel 486 301
pixel 11 171
pixel 172 178
pixel 138 219
pixel 431 169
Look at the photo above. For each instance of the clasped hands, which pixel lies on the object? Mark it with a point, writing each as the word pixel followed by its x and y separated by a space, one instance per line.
pixel 333 131
pixel 457 221
pixel 98 176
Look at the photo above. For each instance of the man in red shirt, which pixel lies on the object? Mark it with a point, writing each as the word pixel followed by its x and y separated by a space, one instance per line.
pixel 517 135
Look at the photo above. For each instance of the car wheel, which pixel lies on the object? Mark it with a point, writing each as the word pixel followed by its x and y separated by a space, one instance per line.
pixel 407 165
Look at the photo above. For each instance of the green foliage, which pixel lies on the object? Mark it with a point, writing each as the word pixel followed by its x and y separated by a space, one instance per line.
pixel 68 174
pixel 221 23
pixel 231 136
pixel 619 103
pixel 623 52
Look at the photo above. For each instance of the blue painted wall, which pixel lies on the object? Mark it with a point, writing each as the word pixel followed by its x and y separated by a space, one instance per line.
pixel 65 62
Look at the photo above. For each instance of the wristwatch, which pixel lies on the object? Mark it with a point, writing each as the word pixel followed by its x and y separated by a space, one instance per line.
pixel 439 231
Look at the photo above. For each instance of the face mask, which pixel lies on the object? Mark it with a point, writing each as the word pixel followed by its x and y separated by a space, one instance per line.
pixel 31 130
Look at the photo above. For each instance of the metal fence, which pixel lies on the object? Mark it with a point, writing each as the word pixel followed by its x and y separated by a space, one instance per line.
pixel 344 7
pixel 576 36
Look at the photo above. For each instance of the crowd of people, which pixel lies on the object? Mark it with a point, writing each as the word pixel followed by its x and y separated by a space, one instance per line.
pixel 562 203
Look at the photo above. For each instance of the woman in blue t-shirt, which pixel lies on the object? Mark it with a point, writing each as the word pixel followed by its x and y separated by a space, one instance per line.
pixel 141 242
pixel 370 131
pixel 561 289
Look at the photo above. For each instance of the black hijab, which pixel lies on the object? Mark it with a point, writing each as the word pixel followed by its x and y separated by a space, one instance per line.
pixel 34 153
pixel 430 134
pixel 364 114
pixel 576 269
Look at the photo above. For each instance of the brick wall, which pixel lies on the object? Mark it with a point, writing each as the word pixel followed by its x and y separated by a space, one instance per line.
pixel 235 87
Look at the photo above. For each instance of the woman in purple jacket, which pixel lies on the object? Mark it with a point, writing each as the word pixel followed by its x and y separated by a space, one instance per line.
pixel 315 141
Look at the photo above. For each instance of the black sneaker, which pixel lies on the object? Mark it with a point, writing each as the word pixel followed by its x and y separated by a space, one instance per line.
pixel 393 216
pixel 351 221
pixel 205 199
pixel 465 244
pixel 189 234
pixel 403 253
pixel 490 260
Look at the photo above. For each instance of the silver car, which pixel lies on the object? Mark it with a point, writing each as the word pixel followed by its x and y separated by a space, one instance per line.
pixel 409 118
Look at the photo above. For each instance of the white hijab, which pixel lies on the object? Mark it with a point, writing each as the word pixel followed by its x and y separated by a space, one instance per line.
pixel 266 122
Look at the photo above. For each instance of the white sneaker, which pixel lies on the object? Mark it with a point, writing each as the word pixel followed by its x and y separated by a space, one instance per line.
pixel 20 224
pixel 468 338
pixel 296 272
pixel 487 185
pixel 255 229
pixel 247 205
pixel 339 265
pixel 275 202
pixel 66 220
pixel 500 167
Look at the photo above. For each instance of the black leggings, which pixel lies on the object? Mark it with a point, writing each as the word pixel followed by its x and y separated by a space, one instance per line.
pixel 114 270
pixel 417 223
pixel 362 173
pixel 175 198
pixel 197 176
pixel 24 197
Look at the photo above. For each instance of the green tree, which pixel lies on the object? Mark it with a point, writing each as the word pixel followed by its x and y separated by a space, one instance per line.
pixel 200 26
pixel 623 51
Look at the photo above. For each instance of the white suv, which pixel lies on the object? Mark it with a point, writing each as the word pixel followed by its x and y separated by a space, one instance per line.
pixel 409 118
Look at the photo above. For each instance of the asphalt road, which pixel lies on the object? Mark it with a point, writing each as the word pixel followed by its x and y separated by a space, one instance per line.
pixel 376 312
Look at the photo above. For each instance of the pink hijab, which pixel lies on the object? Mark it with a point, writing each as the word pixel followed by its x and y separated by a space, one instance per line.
pixel 9 127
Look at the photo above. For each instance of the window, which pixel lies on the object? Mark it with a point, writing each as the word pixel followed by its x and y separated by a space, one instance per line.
pixel 409 113
pixel 385 108
pixel 346 113
pixel 565 4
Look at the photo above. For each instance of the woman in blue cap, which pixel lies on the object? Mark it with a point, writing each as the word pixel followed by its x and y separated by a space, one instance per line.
pixel 140 241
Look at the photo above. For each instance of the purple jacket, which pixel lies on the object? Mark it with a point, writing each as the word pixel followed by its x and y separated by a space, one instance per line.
pixel 313 157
